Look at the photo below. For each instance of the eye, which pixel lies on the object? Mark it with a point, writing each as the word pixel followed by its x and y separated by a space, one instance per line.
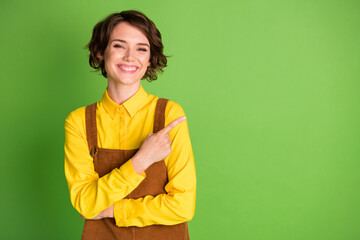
pixel 143 49
pixel 118 46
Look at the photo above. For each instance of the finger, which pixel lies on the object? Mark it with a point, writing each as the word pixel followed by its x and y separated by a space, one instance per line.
pixel 172 124
pixel 167 138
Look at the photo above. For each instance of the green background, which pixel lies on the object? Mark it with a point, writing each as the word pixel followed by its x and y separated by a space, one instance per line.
pixel 270 89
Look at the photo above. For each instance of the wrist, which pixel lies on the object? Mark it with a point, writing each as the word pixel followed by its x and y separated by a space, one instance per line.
pixel 110 213
pixel 139 163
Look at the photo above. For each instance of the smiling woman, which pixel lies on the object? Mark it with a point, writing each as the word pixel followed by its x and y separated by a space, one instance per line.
pixel 128 158
pixel 129 52
pixel 101 35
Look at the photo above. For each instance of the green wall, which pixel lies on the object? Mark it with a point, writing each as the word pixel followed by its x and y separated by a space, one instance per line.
pixel 270 89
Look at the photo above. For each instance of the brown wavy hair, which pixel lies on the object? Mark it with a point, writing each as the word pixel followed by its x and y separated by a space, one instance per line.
pixel 101 34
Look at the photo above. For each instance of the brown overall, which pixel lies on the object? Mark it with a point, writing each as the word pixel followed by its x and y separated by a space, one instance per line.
pixel 105 160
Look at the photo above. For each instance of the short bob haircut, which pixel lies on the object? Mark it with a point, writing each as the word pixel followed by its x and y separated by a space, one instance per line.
pixel 101 35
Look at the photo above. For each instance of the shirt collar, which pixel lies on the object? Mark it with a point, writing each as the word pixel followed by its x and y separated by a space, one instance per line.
pixel 132 105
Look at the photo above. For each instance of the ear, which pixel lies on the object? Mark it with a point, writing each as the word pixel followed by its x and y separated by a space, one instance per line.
pixel 100 56
pixel 149 63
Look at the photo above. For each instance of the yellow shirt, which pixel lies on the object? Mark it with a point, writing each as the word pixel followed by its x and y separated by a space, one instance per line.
pixel 126 126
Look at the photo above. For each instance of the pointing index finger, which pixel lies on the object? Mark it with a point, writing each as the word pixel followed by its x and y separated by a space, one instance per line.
pixel 172 124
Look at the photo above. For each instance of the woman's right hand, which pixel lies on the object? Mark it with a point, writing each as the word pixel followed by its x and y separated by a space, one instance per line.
pixel 155 148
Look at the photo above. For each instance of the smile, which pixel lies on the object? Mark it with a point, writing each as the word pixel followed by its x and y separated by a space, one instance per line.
pixel 128 69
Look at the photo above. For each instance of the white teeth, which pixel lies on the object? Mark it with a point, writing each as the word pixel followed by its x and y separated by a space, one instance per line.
pixel 129 68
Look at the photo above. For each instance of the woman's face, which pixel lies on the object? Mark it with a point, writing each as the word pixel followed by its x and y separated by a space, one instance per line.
pixel 127 55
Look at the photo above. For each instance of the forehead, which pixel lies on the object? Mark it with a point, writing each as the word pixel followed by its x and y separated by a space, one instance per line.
pixel 128 33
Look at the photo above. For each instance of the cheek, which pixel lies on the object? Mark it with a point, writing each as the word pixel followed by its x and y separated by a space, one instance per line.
pixel 111 58
pixel 146 61
pixel 112 55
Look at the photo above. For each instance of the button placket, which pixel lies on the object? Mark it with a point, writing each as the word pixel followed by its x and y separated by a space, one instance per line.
pixel 122 127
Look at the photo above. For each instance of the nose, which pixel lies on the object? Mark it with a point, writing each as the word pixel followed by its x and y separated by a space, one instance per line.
pixel 129 55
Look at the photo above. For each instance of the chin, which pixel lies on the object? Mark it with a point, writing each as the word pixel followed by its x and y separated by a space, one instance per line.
pixel 128 82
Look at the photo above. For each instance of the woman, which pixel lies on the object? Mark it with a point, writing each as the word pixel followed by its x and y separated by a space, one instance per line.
pixel 128 158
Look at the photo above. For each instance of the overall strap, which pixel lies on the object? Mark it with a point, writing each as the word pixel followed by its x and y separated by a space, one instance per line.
pixel 159 118
pixel 91 129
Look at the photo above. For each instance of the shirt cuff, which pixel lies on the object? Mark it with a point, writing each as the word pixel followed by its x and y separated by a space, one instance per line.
pixel 121 213
pixel 121 207
pixel 130 175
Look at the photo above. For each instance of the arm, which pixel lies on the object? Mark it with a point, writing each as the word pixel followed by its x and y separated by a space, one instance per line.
pixel 178 205
pixel 90 194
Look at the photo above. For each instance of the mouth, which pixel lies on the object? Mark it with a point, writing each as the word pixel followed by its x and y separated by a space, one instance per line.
pixel 127 68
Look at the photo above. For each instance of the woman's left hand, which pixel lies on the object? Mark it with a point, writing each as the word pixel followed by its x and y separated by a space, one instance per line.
pixel 107 213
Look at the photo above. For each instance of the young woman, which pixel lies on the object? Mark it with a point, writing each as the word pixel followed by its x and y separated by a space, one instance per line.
pixel 128 158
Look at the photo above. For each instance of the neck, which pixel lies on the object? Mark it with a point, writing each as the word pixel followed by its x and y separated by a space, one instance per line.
pixel 119 93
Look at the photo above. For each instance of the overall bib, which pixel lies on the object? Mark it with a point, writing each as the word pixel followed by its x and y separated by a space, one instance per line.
pixel 105 160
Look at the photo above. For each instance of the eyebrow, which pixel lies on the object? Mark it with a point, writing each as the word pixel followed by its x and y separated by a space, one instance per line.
pixel 123 41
